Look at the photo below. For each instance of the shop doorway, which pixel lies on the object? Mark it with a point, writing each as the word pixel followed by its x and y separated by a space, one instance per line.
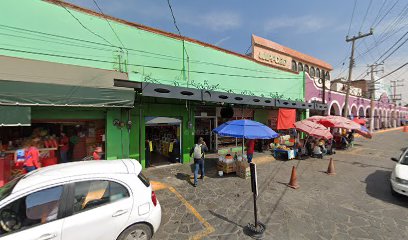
pixel 203 128
pixel 163 141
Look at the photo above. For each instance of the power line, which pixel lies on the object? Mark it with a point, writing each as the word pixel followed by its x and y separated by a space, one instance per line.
pixel 113 30
pixel 379 12
pixel 89 30
pixel 130 49
pixel 365 16
pixel 146 66
pixel 389 10
pixel 352 16
pixel 393 71
pixel 174 19
pixel 395 49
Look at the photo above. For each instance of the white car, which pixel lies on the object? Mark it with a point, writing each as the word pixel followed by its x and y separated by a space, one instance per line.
pixel 399 176
pixel 89 200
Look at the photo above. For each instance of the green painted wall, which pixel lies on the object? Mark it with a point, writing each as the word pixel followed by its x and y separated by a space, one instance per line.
pixel 154 109
pixel 25 32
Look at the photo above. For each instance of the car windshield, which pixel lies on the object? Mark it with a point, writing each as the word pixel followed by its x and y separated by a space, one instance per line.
pixel 7 189
pixel 404 158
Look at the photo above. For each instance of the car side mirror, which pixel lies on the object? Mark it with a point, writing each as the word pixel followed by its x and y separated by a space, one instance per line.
pixel 394 159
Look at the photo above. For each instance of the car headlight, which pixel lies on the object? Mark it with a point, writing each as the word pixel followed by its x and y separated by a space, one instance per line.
pixel 402 181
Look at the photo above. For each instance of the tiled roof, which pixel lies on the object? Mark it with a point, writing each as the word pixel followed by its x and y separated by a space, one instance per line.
pixel 287 51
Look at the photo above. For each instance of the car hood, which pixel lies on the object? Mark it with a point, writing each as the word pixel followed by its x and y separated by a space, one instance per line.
pixel 401 171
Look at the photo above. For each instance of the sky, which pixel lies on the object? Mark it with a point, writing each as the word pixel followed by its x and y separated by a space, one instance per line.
pixel 317 27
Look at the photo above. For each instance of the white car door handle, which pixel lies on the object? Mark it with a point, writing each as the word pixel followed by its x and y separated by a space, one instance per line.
pixel 120 212
pixel 48 236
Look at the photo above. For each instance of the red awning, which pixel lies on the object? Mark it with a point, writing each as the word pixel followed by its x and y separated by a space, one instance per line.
pixel 286 118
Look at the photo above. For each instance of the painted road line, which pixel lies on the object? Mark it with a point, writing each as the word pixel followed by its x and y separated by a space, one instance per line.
pixel 208 228
pixel 157 186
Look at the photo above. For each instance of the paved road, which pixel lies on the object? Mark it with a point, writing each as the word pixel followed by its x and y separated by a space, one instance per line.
pixel 354 204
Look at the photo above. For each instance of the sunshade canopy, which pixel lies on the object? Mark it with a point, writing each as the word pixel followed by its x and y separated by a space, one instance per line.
pixel 15 116
pixel 313 129
pixel 245 129
pixel 46 94
pixel 363 131
pixel 335 122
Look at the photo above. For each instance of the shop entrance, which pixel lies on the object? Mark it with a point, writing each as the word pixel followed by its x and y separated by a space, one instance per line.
pixel 163 142
pixel 203 128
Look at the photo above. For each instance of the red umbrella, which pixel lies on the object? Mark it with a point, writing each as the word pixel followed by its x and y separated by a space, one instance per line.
pixel 313 129
pixel 335 122
pixel 360 121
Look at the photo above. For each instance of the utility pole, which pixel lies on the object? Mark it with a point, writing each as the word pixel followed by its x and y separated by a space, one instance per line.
pixel 324 90
pixel 372 94
pixel 395 84
pixel 352 40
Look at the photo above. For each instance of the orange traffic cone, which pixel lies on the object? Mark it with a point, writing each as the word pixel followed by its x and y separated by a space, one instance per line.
pixel 330 169
pixel 405 129
pixel 293 179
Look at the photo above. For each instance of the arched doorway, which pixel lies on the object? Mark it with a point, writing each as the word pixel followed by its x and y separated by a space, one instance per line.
pixel 354 111
pixel 334 109
pixel 361 112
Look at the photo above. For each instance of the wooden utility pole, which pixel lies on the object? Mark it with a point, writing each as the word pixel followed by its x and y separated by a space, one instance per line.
pixel 372 94
pixel 394 85
pixel 324 91
pixel 352 40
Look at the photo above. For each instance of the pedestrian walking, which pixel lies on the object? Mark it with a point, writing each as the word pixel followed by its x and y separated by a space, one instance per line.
pixel 198 152
pixel 250 149
pixel 32 156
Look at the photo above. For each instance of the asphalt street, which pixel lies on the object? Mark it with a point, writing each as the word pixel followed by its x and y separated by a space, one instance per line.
pixel 356 203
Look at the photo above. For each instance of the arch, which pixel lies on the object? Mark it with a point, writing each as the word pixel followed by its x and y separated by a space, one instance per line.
pixel 327 75
pixel 334 108
pixel 300 67
pixel 306 68
pixel 317 72
pixel 294 66
pixel 353 110
pixel 361 112
pixel 368 112
pixel 312 72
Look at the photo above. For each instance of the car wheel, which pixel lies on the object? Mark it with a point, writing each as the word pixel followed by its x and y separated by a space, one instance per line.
pixel 136 232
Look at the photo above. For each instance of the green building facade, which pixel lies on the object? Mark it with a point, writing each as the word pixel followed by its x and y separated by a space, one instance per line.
pixel 60 33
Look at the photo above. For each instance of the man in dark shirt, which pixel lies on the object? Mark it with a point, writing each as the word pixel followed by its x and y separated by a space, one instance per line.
pixel 198 152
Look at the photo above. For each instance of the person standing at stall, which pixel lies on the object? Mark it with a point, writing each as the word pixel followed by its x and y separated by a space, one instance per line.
pixel 97 154
pixel 198 152
pixel 32 156
pixel 64 147
pixel 250 145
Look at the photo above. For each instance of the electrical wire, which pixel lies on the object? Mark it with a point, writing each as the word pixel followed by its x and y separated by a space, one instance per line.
pixel 379 13
pixel 130 49
pixel 393 71
pixel 365 16
pixel 174 19
pixel 146 66
pixel 89 30
pixel 394 49
pixel 113 30
pixel 352 16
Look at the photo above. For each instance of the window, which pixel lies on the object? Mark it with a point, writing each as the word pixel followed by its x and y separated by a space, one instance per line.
pixel 404 158
pixel 37 208
pixel 327 76
pixel 90 194
pixel 300 67
pixel 306 68
pixel 312 72
pixel 317 72
pixel 294 65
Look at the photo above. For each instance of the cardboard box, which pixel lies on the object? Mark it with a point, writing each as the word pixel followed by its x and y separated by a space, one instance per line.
pixel 227 167
pixel 243 170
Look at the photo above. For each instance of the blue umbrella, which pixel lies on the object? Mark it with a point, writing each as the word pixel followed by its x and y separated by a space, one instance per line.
pixel 245 129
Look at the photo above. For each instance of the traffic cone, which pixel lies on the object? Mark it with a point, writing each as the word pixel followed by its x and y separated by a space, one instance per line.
pixel 405 129
pixel 293 179
pixel 330 169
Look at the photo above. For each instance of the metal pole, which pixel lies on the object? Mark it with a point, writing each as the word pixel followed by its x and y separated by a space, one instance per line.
pixel 372 85
pixel 255 211
pixel 324 91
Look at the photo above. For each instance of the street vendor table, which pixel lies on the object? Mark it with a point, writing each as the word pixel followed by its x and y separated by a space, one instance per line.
pixel 290 154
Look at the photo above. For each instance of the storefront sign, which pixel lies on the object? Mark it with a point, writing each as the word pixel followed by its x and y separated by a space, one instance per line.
pixel 271 57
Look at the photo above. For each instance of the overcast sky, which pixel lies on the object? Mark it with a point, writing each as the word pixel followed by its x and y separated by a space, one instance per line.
pixel 317 27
